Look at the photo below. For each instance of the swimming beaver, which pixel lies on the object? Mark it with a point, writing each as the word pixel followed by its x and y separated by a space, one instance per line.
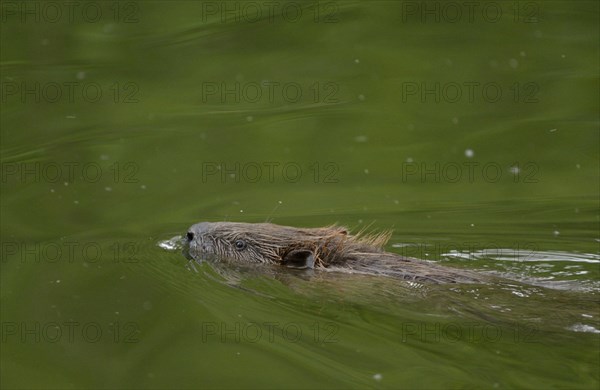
pixel 319 248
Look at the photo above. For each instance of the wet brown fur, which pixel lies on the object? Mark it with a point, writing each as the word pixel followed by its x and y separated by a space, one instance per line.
pixel 333 248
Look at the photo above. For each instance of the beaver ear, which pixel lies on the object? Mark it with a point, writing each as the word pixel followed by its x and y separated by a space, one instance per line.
pixel 300 259
pixel 341 230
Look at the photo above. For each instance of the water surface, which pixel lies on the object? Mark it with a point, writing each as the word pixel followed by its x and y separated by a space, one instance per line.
pixel 475 140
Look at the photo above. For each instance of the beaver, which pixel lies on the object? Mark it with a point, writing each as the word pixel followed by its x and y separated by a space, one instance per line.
pixel 327 248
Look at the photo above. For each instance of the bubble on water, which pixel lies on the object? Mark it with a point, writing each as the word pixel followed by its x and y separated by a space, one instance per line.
pixel 71 117
pixel 108 189
pixel 522 54
pixel 469 153
pixel 143 187
pixel 515 170
pixel 455 120
pixel 80 75
pixel 409 159
pixel 76 201
pixel 563 56
pixel 552 130
pixel 51 189
pixel 241 211
pixel 513 63
pixel 578 166
pixel 356 61
pixel 361 138
pixel 361 97
pixel 378 377
pixel 104 157
pixel 249 118
pixel 556 233
pixel 366 171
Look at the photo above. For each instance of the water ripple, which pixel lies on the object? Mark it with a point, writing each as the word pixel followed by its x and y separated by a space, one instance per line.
pixel 524 255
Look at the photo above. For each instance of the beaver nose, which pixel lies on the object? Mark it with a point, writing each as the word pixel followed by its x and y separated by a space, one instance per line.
pixel 190 236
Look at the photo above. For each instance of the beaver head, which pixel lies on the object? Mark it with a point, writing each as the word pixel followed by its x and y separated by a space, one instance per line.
pixel 274 244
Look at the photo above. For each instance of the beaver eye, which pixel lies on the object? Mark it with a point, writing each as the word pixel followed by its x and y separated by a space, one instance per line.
pixel 190 236
pixel 240 245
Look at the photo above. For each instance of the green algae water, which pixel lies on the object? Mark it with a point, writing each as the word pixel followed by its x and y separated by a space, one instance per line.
pixel 470 129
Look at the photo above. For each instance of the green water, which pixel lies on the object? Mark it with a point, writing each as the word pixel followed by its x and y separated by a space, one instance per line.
pixel 473 135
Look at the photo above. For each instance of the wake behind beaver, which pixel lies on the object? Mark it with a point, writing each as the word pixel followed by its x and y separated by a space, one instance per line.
pixel 327 248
